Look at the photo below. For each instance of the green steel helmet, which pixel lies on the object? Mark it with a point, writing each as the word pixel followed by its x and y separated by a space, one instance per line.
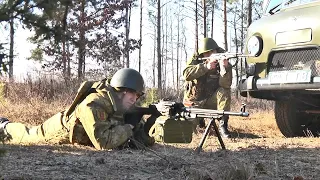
pixel 206 45
pixel 128 78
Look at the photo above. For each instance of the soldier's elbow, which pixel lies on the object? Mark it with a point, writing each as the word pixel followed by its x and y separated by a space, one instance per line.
pixel 186 76
pixel 189 78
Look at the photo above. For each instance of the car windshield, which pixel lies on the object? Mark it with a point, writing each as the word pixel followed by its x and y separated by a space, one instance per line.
pixel 273 6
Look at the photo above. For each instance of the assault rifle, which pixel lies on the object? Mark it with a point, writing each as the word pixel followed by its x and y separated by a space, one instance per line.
pixel 177 110
pixel 219 57
pixel 227 55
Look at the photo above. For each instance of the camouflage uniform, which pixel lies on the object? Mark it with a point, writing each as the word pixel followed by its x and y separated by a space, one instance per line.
pixel 207 88
pixel 97 120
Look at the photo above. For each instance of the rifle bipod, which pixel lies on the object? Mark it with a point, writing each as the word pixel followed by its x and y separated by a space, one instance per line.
pixel 211 123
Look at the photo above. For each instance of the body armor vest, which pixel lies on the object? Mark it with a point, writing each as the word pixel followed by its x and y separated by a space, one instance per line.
pixel 203 87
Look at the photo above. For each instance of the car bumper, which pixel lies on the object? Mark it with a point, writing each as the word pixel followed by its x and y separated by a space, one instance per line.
pixel 262 84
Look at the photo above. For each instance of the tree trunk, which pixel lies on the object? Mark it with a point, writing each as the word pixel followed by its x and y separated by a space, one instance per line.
pixel 159 48
pixel 236 43
pixel 249 13
pixel 196 27
pixel 172 61
pixel 11 48
pixel 84 67
pixel 127 27
pixel 242 40
pixel 184 46
pixel 242 29
pixel 140 45
pixel 249 21
pixel 178 41
pixel 204 18
pixel 64 53
pixel 127 37
pixel 166 49
pixel 154 58
pixel 68 59
pixel 64 60
pixel 81 60
pixel 225 24
pixel 128 47
pixel 163 59
pixel 212 15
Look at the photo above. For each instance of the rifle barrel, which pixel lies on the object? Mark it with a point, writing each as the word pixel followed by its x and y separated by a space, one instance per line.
pixel 210 112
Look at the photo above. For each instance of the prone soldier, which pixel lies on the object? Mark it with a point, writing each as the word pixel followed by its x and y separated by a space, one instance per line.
pixel 97 120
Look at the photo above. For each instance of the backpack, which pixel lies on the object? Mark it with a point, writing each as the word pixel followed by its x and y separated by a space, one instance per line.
pixel 86 88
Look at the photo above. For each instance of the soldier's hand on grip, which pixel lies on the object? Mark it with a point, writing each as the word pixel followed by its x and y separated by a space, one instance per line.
pixel 225 62
pixel 212 63
pixel 132 118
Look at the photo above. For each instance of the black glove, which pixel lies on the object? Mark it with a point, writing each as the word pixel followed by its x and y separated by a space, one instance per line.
pixel 153 111
pixel 149 123
pixel 132 118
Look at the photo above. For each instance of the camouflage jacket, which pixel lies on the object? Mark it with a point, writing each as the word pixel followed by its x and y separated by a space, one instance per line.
pixel 201 83
pixel 98 120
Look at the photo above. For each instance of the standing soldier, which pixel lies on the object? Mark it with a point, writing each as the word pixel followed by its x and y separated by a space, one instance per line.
pixel 205 86
pixel 96 120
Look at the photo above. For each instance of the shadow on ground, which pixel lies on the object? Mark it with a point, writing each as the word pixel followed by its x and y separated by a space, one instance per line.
pixel 238 134
pixel 235 133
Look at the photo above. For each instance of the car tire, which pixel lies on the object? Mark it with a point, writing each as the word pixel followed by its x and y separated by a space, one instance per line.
pixel 289 121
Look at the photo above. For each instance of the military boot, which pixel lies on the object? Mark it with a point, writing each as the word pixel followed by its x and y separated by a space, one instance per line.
pixel 3 123
pixel 202 123
pixel 223 127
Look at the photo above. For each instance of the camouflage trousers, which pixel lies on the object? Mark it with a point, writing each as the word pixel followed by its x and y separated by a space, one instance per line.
pixel 52 130
pixel 55 131
pixel 220 100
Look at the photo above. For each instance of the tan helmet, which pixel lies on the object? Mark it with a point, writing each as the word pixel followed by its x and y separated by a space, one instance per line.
pixel 206 45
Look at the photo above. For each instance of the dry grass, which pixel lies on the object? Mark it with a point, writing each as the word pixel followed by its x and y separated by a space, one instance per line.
pixel 238 171
pixel 256 125
pixel 33 102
